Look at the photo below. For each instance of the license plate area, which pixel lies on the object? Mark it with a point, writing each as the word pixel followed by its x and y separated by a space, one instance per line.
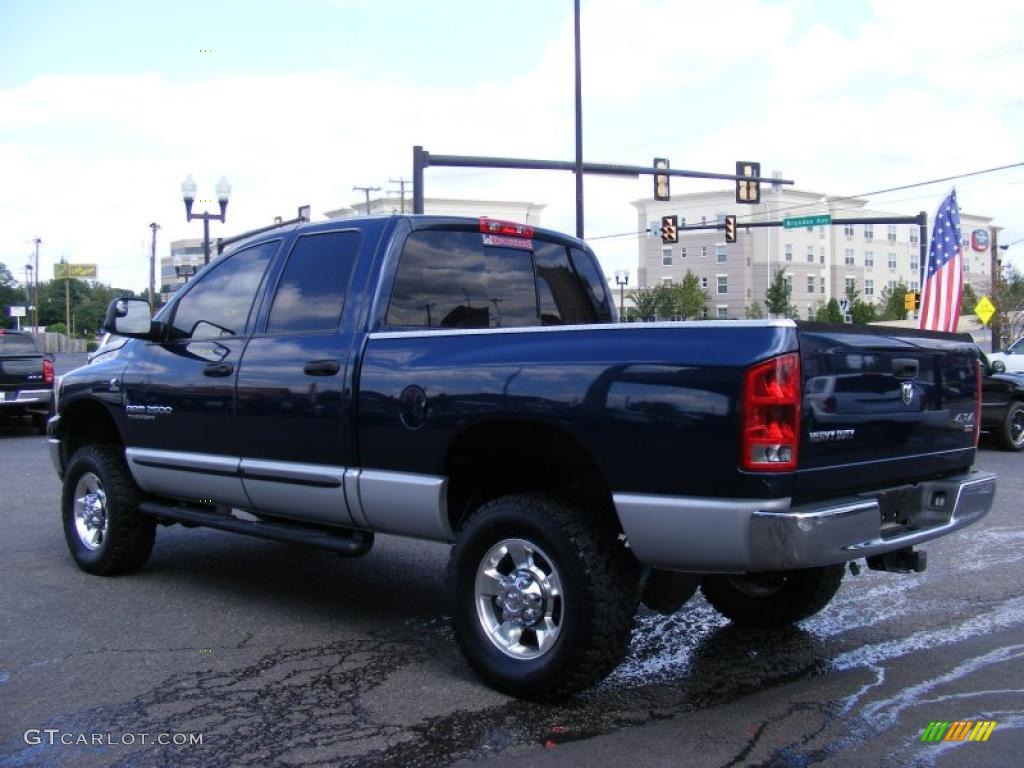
pixel 903 510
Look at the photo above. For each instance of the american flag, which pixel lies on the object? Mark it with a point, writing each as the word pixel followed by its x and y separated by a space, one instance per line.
pixel 943 282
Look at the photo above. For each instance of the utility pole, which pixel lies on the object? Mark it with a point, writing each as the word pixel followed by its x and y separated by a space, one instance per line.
pixel 994 328
pixel 367 191
pixel 401 189
pixel 152 268
pixel 35 321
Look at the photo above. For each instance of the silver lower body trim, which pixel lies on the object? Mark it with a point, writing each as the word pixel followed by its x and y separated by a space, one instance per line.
pixel 738 536
pixel 405 504
pixel 54 446
pixel 187 476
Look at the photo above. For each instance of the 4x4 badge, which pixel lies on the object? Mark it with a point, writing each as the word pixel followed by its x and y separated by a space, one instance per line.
pixel 907 392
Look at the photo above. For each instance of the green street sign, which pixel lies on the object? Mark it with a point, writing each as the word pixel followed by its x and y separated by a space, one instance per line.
pixel 807 221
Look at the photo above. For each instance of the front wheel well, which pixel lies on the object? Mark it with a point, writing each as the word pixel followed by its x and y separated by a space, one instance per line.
pixel 86 422
pixel 497 459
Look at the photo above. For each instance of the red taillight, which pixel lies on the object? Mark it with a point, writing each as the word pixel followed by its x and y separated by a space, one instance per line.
pixel 770 415
pixel 47 371
pixel 977 402
pixel 510 228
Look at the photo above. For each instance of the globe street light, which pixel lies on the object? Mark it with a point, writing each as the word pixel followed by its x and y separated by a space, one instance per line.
pixel 622 280
pixel 188 194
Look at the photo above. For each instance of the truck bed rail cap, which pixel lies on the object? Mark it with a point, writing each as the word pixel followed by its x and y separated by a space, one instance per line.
pixel 778 323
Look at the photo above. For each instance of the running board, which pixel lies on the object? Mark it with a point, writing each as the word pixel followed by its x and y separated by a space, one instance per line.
pixel 352 543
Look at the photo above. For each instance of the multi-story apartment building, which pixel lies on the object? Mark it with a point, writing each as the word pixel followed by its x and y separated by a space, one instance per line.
pixel 820 262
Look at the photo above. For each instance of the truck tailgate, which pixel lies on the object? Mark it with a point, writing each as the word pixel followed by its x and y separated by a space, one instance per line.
pixel 883 405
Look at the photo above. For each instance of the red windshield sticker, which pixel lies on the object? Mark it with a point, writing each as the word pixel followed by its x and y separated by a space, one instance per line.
pixel 509 242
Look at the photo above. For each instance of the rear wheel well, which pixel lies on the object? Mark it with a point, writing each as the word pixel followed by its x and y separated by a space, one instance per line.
pixel 86 423
pixel 496 459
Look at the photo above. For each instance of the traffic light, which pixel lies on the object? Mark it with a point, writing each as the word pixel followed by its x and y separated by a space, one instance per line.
pixel 669 229
pixel 911 300
pixel 748 192
pixel 730 229
pixel 917 301
pixel 661 189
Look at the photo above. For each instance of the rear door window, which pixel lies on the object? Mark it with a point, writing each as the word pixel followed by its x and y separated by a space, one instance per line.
pixel 17 344
pixel 451 279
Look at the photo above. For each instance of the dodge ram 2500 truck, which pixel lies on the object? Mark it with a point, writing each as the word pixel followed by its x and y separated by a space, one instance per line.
pixel 465 381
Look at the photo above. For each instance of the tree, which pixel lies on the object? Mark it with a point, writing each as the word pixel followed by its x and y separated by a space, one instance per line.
pixel 894 302
pixel 862 312
pixel 753 311
pixel 687 299
pixel 1008 297
pixel 968 301
pixel 777 297
pixel 829 312
pixel 10 295
pixel 651 303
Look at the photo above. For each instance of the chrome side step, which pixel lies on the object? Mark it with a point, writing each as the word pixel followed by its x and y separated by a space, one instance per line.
pixel 349 543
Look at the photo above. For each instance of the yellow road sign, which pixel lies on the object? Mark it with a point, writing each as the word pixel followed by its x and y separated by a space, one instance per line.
pixel 63 270
pixel 984 309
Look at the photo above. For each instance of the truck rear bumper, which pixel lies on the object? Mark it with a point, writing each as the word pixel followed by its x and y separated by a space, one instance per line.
pixel 750 535
pixel 34 400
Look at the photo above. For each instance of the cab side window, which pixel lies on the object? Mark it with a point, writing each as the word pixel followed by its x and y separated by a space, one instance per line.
pixel 311 294
pixel 219 303
pixel 451 279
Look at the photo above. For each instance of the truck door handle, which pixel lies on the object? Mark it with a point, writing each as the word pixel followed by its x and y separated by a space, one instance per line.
pixel 218 369
pixel 321 368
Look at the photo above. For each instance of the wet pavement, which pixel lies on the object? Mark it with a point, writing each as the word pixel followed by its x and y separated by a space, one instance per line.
pixel 282 656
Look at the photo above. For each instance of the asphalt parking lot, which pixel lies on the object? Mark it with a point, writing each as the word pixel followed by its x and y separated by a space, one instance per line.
pixel 277 655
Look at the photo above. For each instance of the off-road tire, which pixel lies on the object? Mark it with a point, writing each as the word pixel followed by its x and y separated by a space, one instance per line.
pixel 1011 432
pixel 600 589
pixel 129 536
pixel 772 600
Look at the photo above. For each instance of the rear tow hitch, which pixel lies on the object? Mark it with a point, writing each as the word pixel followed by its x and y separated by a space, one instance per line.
pixel 899 561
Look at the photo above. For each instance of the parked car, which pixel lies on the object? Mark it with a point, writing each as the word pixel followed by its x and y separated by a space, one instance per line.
pixel 1010 360
pixel 26 379
pixel 1002 405
pixel 464 381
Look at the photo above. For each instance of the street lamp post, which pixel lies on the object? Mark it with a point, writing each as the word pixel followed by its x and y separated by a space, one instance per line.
pixel 35 323
pixel 188 194
pixel 152 268
pixel 29 270
pixel 622 280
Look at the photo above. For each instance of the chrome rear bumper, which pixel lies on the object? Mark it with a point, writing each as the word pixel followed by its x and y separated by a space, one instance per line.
pixel 750 535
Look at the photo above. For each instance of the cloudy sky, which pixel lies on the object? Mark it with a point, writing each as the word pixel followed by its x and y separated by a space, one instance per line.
pixel 105 107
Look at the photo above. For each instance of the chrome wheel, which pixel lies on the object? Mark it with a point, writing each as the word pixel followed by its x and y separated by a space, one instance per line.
pixel 519 599
pixel 90 511
pixel 1017 428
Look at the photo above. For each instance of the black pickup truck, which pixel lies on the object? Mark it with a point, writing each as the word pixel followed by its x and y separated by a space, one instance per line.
pixel 465 381
pixel 26 379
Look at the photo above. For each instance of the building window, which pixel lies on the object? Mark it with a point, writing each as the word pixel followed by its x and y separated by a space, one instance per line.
pixel 810 229
pixel 967 265
pixel 810 283
pixel 891 233
pixel 666 257
pixel 666 281
pixel 789 252
pixel 703 220
pixel 848 231
pixel 848 257
pixel 869 232
pixel 810 312
pixel 723 283
pixel 822 284
pixel 913 235
pixel 821 255
pixel 913 285
pixel 892 261
pixel 720 254
pixel 682 221
pixel 869 259
pixel 869 287
pixel 722 312
pixel 682 253
pixel 821 232
pixel 851 285
pixel 913 263
pixel 891 285
pixel 704 283
pixel 810 254
pixel 703 251
pixel 789 283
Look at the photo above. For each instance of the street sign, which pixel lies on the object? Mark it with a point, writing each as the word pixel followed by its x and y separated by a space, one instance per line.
pixel 820 220
pixel 984 309
pixel 63 270
pixel 844 306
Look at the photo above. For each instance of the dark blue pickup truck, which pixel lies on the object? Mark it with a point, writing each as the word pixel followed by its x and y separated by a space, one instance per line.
pixel 465 381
